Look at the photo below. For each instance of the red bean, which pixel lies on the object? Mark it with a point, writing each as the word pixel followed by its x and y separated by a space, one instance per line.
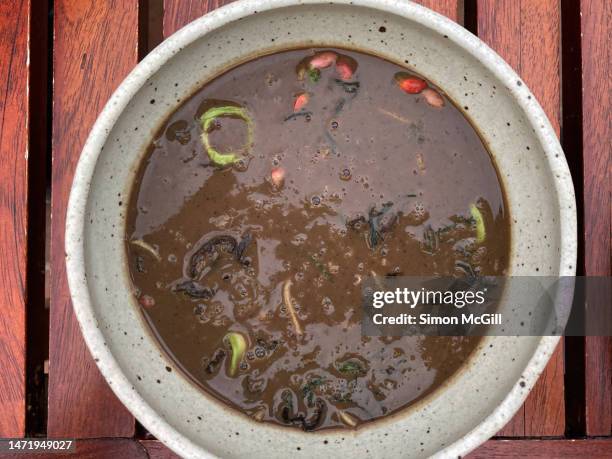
pixel 409 83
pixel 346 67
pixel 300 101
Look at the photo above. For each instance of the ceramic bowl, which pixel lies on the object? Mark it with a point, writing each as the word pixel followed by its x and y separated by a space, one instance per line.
pixel 453 420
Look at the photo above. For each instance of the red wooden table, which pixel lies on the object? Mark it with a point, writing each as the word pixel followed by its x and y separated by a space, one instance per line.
pixel 59 62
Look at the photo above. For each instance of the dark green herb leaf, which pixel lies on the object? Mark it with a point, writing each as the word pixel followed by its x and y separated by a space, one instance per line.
pixel 352 367
pixel 314 75
pixel 321 267
pixel 308 389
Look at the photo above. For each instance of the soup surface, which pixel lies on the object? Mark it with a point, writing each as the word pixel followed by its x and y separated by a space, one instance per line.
pixel 269 196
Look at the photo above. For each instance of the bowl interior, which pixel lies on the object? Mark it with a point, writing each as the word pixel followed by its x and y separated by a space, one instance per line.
pixel 527 154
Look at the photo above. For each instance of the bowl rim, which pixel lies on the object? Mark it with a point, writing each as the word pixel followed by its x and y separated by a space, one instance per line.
pixel 136 79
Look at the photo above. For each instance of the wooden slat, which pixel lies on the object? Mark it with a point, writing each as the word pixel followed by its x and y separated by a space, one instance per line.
pixel 598 385
pixel 14 118
pixel 526 33
pixel 95 47
pixel 596 20
pixel 157 450
pixel 544 449
pixel 545 406
pixel 116 448
pixel 449 8
pixel 178 13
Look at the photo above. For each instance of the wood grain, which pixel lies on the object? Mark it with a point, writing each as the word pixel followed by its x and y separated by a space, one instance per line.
pixel 596 27
pixel 544 449
pixel 157 450
pixel 178 13
pixel 598 385
pixel 14 119
pixel 526 33
pixel 452 9
pixel 95 47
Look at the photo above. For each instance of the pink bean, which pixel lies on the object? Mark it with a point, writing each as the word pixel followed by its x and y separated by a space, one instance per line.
pixel 277 177
pixel 433 97
pixel 322 60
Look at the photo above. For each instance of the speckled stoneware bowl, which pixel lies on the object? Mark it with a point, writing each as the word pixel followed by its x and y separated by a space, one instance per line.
pixel 453 420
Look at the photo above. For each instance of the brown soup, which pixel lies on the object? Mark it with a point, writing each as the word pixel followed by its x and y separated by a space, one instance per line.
pixel 269 196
